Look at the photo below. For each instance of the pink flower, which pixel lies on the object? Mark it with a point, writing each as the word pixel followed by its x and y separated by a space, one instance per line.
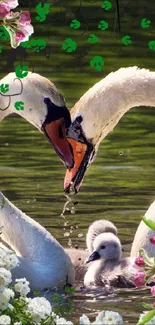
pixel 153 290
pixel 139 279
pixel 139 260
pixel 12 3
pixel 153 304
pixel 25 18
pixel 152 240
pixel 4 9
pixel 19 27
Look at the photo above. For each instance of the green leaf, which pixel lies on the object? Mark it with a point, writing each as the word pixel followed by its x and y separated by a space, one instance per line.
pixel 92 38
pixel 147 317
pixel 36 293
pixel 69 45
pixel 151 45
pixel 42 11
pixel 26 44
pixel 21 72
pixel 145 23
pixel 126 40
pixel 4 35
pixel 75 24
pixel 103 25
pixel 19 106
pixel 106 5
pixel 38 45
pixel 147 306
pixel 149 223
pixel 1 48
pixel 4 88
pixel 97 62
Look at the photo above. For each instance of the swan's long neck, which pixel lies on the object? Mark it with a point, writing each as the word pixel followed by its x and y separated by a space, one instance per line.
pixel 106 102
pixel 23 234
pixel 30 90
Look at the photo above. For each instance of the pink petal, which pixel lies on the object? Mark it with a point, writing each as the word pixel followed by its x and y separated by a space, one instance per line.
pixel 12 3
pixel 4 9
pixel 152 240
pixel 19 37
pixel 153 291
pixel 139 279
pixel 25 18
pixel 139 261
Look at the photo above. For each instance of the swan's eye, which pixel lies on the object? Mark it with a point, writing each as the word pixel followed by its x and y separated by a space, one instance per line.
pixel 102 247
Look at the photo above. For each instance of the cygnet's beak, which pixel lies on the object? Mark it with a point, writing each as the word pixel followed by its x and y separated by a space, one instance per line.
pixel 94 256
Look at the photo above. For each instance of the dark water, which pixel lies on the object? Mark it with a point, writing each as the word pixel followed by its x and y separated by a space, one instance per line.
pixel 120 185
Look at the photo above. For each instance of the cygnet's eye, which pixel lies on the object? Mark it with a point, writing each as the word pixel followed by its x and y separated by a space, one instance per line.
pixel 102 247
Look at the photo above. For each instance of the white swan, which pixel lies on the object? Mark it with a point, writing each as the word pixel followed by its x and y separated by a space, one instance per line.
pixel 107 265
pixel 43 260
pixel 44 107
pixel 99 110
pixel 143 235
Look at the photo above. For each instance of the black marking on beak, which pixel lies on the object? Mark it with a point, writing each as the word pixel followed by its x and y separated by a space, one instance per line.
pixel 93 257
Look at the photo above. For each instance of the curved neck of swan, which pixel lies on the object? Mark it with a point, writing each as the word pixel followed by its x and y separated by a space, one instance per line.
pixel 107 101
pixel 30 92
pixel 23 234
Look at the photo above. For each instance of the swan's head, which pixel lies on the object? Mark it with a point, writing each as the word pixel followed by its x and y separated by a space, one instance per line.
pixel 84 152
pixel 106 246
pixel 56 123
pixel 44 107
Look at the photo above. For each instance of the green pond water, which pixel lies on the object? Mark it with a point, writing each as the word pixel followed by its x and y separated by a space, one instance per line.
pixel 120 184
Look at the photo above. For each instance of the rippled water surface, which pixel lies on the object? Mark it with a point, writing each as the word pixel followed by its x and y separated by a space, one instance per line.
pixel 120 185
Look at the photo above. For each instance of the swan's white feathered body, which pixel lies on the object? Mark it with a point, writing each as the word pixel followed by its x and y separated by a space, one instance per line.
pixel 143 235
pixel 43 260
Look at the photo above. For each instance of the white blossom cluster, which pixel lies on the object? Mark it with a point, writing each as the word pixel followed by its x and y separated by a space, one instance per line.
pixel 38 309
pixel 103 318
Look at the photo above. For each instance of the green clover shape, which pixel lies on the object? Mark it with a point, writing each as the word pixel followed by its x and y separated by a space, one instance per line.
pixel 145 23
pixel 106 5
pixel 151 45
pixel 126 40
pixel 19 106
pixel 69 45
pixel 21 72
pixel 75 24
pixel 97 62
pixel 92 38
pixel 103 25
pixel 42 11
pixel 4 88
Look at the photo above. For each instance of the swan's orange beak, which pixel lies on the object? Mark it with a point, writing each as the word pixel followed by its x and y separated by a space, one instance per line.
pixel 75 174
pixel 56 133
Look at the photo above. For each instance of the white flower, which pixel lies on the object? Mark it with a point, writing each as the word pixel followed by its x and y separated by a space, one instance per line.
pixel 8 259
pixel 5 297
pixel 63 321
pixel 5 277
pixel 18 323
pixel 5 320
pixel 39 308
pixel 22 286
pixel 108 318
pixel 84 320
